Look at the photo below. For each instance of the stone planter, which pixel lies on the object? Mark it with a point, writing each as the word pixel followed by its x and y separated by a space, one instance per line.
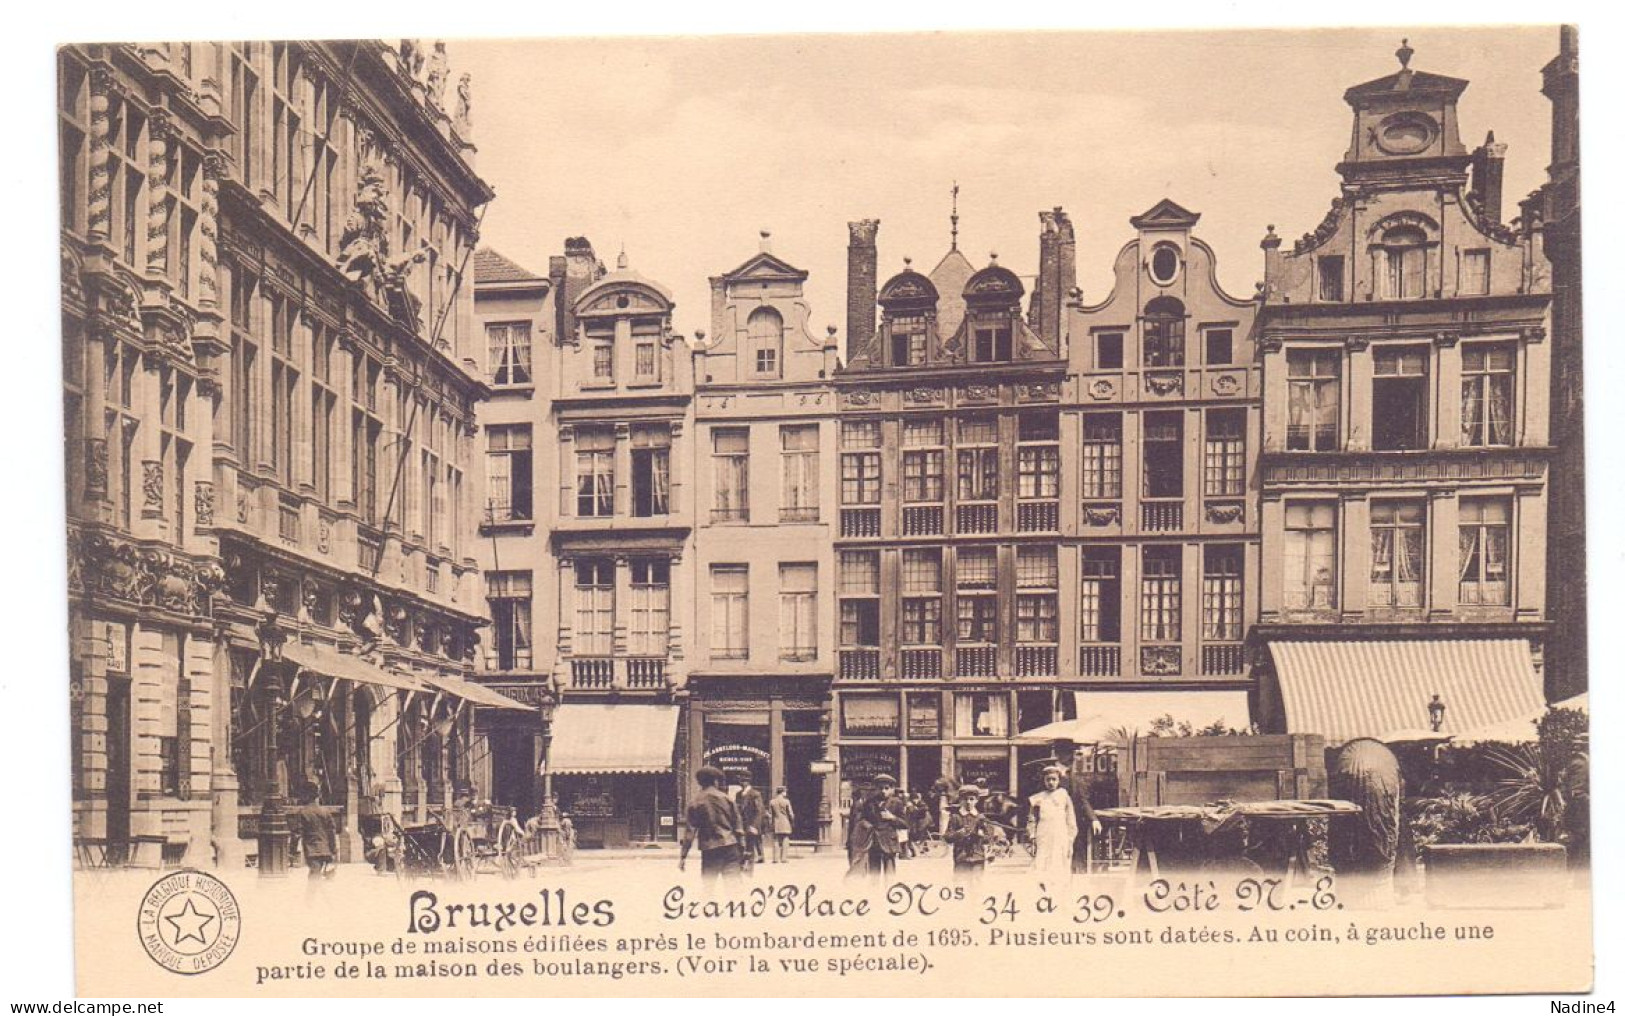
pixel 1496 875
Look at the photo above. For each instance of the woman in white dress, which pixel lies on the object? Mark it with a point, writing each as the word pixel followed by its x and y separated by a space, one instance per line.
pixel 1053 826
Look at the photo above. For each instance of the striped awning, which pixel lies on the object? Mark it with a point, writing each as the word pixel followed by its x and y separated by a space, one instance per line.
pixel 477 694
pixel 1346 690
pixel 328 662
pixel 621 737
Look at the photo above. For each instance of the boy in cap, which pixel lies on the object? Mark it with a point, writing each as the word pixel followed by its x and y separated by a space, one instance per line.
pixel 874 841
pixel 970 833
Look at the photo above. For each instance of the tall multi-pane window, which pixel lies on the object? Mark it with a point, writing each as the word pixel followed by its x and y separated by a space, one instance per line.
pixel 244 106
pixel 601 343
pixel 127 177
pixel 509 472
pixel 798 501
pixel 1475 272
pixel 1487 377
pixel 860 598
pixel 1221 592
pixel 174 448
pixel 730 457
pixel 798 612
pixel 907 341
pixel 73 130
pixel 287 141
pixel 594 633
pixel 1160 594
pixel 1312 399
pixel 595 472
pixel 860 462
pixel 1402 264
pixel 646 350
pixel 1038 456
pixel 1399 399
pixel 244 352
pixel 765 333
pixel 649 628
pixel 1224 461
pixel 1164 451
pixel 922 597
pixel 323 410
pixel 1102 455
pixel 1397 565
pixel 1311 555
pixel 990 340
pixel 1486 552
pixel 367 429
pixel 174 717
pixel 1163 328
pixel 1330 270
pixel 284 383
pixel 183 187
pixel 977 581
pixel 978 456
pixel 509 593
pixel 122 426
pixel 1100 600
pixel 651 470
pixel 508 347
pixel 730 611
pixel 1037 595
pixel 922 460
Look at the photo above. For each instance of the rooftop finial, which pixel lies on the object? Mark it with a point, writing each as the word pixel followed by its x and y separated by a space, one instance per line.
pixel 908 263
pixel 993 255
pixel 767 241
pixel 620 261
pixel 1404 52
pixel 953 240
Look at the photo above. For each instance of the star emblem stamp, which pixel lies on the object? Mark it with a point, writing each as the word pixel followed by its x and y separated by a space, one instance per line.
pixel 189 922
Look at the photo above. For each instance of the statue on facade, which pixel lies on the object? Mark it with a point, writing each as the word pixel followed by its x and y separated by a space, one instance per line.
pixel 439 72
pixel 364 255
pixel 464 117
pixel 411 52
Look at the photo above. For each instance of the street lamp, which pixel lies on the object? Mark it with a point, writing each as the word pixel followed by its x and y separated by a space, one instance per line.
pixel 273 832
pixel 1436 712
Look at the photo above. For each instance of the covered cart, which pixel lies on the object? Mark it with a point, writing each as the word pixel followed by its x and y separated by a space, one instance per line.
pixel 1251 836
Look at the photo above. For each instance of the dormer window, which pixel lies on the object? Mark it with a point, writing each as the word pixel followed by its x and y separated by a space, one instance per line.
pixel 1402 263
pixel 766 335
pixel 601 342
pixel 992 342
pixel 1164 264
pixel 1164 333
pixel 907 341
pixel 646 349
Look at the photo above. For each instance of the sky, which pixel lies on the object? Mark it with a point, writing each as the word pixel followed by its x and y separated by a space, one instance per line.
pixel 680 151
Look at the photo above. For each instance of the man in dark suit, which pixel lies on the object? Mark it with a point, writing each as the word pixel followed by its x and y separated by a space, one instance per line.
pixel 874 842
pixel 752 810
pixel 1077 787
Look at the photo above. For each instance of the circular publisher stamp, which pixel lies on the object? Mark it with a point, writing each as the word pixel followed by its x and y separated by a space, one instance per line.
pixel 189 922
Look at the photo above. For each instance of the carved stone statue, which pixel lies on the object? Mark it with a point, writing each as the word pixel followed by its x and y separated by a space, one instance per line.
pixel 465 104
pixel 439 71
pixel 364 254
pixel 411 58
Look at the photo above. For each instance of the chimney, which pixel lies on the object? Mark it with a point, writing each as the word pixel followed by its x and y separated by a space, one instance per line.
pixel 581 270
pixel 1057 275
pixel 861 290
pixel 1489 163
pixel 555 278
pixel 1272 261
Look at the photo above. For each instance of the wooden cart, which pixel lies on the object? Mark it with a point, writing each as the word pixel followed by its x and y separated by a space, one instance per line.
pixel 455 842
pixel 1225 834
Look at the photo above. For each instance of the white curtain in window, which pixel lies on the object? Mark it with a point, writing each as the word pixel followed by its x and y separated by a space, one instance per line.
pixel 981 715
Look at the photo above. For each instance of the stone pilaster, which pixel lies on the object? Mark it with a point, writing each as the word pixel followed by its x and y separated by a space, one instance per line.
pixel 99 212
pixel 160 132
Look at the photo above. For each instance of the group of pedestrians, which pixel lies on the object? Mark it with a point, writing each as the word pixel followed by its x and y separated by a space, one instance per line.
pixel 731 830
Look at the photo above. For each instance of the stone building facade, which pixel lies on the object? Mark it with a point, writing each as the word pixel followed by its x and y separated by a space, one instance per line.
pixel 1406 435
pixel 270 433
pixel 764 482
pixel 1166 422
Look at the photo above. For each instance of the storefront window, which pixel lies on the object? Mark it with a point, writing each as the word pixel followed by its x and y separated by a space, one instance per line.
pixel 981 714
pixel 869 716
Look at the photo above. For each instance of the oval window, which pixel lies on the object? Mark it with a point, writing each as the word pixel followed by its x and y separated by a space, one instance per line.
pixel 1164 265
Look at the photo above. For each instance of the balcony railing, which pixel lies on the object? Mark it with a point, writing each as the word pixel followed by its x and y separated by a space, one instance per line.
pixel 860 664
pixel 645 672
pixel 980 517
pixel 1100 661
pixel 976 661
pixel 592 672
pixel 1162 516
pixel 922 664
pixel 1224 659
pixel 860 523
pixel 1038 516
pixel 803 514
pixel 922 520
pixel 1037 661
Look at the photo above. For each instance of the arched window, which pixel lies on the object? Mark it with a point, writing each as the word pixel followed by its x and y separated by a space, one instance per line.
pixel 1402 264
pixel 766 329
pixel 1164 333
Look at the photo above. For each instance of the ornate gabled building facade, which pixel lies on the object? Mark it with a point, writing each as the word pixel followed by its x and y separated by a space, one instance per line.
pixel 764 483
pixel 270 431
pixel 621 542
pixel 1167 422
pixel 949 583
pixel 1406 435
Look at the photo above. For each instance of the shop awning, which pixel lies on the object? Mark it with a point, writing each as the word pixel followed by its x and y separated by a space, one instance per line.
pixel 328 662
pixel 1107 712
pixel 623 737
pixel 1346 690
pixel 477 694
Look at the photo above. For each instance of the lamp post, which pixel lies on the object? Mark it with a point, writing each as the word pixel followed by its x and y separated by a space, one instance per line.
pixel 273 832
pixel 547 818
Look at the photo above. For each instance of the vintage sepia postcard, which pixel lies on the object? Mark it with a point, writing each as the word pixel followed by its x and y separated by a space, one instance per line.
pixel 826 515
